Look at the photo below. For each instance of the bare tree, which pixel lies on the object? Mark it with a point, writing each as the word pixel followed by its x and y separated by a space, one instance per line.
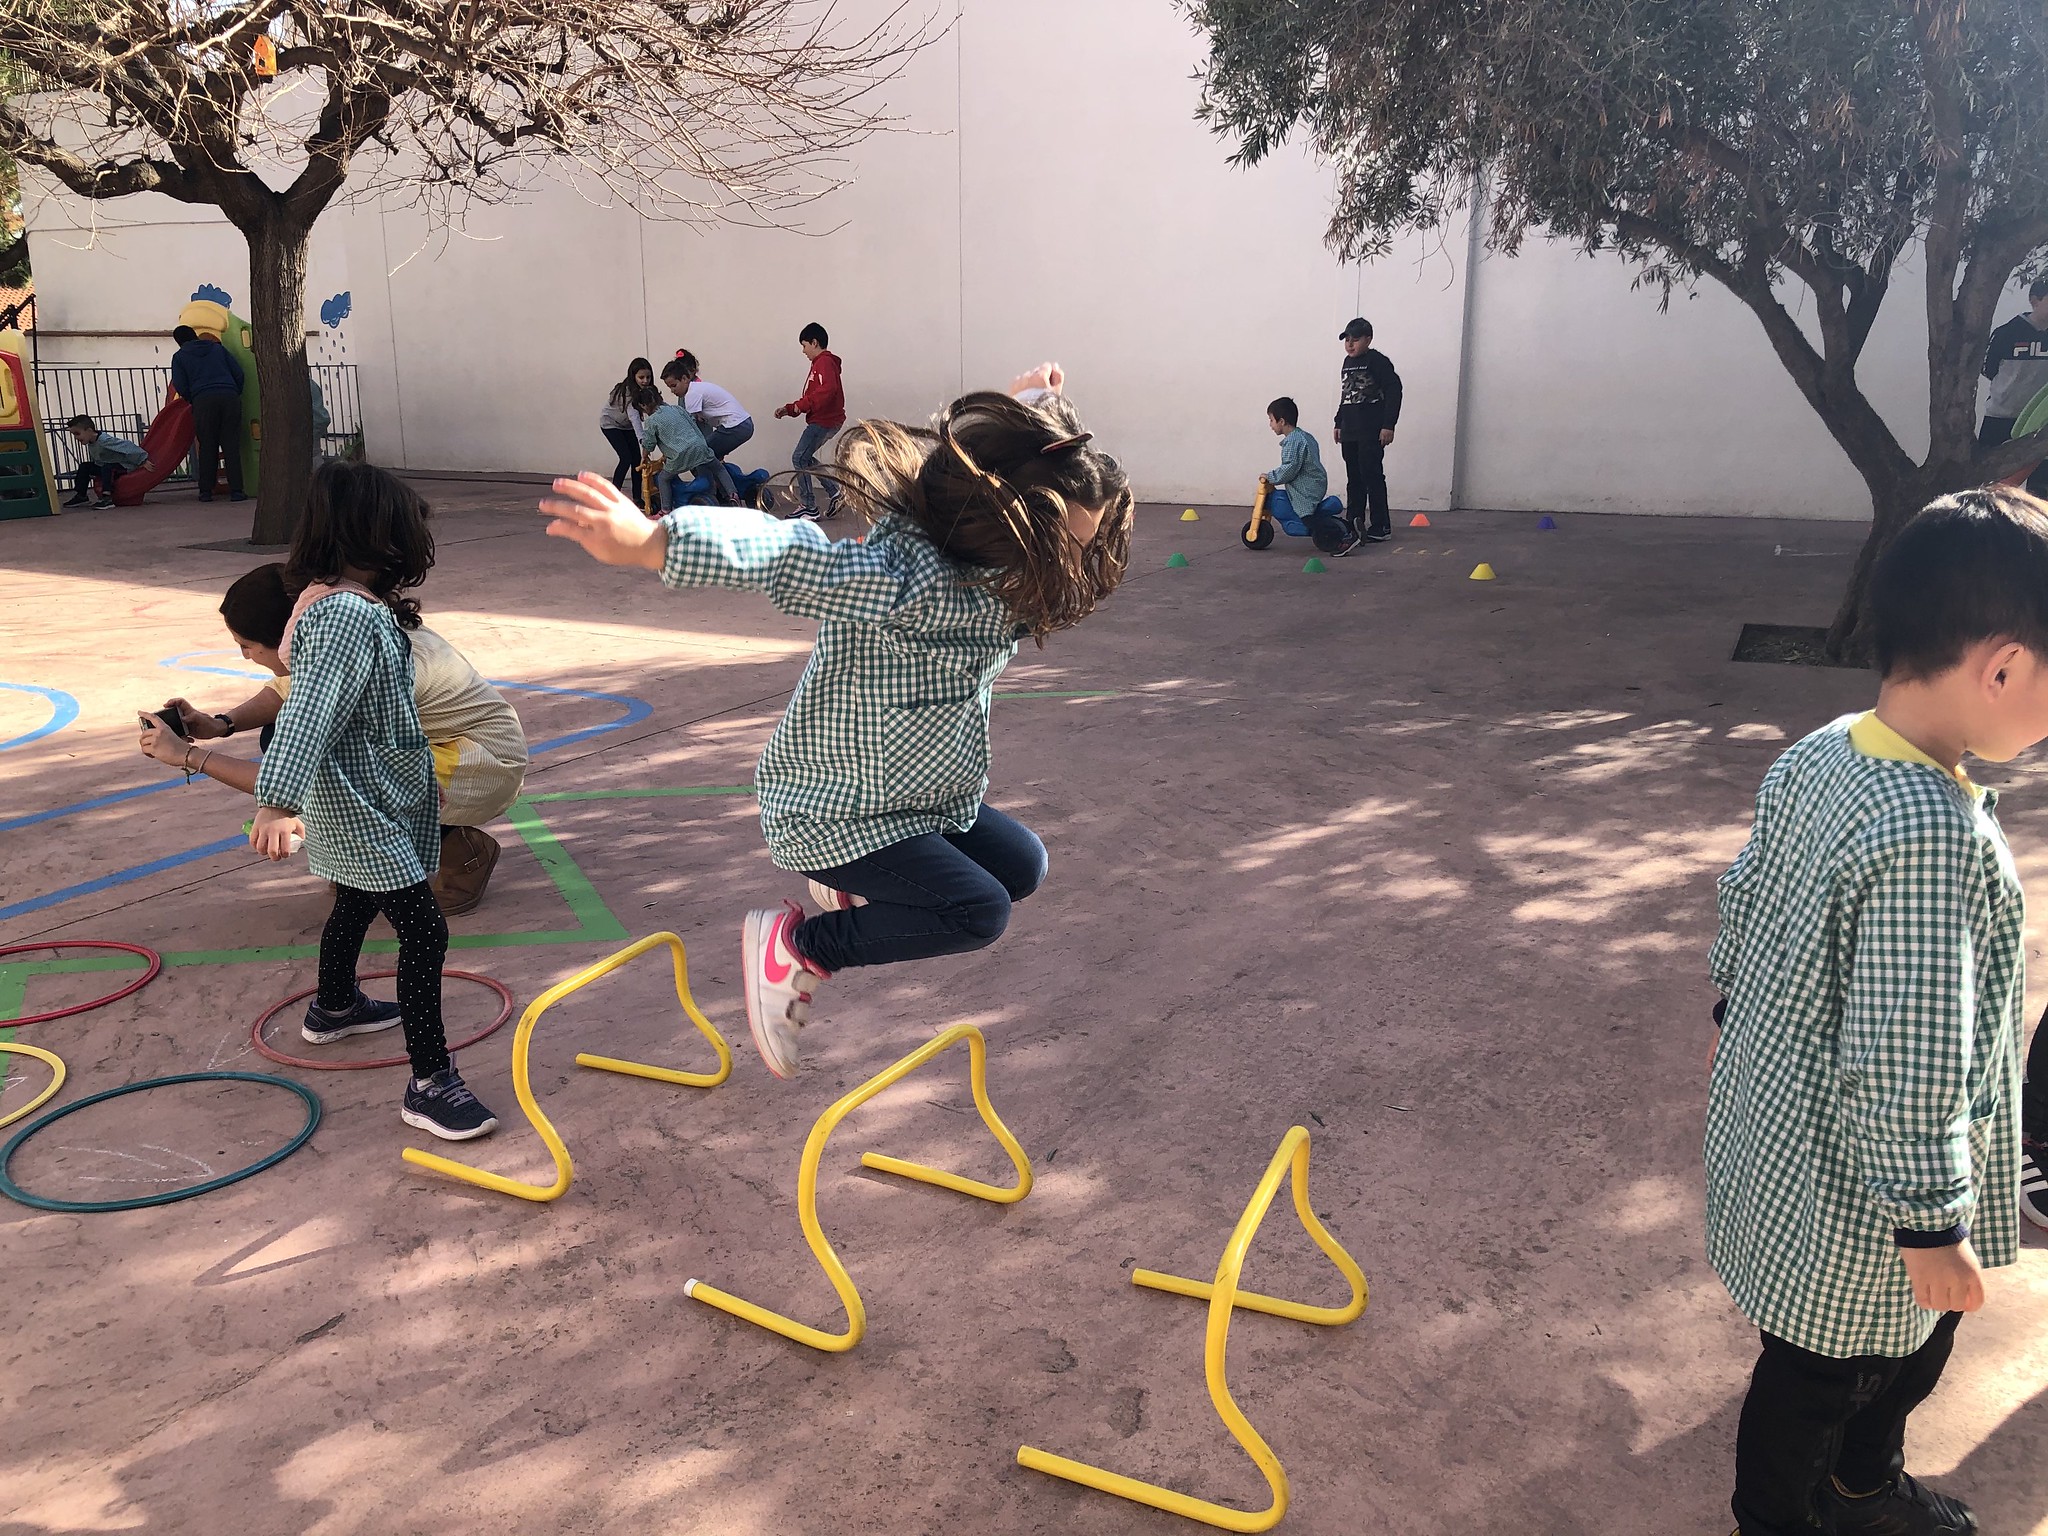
pixel 695 109
pixel 1793 151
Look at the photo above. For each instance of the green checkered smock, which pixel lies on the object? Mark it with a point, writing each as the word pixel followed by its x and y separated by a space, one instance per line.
pixel 1868 1072
pixel 348 755
pixel 886 737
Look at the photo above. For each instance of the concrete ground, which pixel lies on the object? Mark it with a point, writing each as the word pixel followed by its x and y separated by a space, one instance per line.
pixel 1421 863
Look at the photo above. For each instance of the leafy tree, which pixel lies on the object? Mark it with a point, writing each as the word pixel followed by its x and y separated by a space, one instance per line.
pixel 686 108
pixel 1790 150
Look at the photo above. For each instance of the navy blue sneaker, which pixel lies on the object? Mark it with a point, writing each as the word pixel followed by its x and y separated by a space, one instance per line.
pixel 365 1016
pixel 443 1106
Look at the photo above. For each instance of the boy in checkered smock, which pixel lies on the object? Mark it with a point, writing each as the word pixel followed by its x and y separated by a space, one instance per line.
pixel 998 522
pixel 1862 1148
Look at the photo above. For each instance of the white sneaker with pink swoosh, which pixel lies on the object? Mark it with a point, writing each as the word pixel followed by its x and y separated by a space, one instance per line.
pixel 779 985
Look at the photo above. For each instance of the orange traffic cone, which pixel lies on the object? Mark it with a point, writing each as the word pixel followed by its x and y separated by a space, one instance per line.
pixel 1419 520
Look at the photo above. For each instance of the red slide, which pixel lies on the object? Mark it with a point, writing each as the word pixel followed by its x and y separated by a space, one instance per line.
pixel 167 441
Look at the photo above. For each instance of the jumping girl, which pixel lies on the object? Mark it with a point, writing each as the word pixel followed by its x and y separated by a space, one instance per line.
pixel 998 522
pixel 349 771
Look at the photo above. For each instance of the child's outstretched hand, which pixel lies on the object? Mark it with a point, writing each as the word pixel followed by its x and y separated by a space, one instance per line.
pixel 1046 376
pixel 1945 1279
pixel 605 521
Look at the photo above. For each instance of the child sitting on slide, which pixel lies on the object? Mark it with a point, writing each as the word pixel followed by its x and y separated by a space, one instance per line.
pixel 102 457
pixel 998 522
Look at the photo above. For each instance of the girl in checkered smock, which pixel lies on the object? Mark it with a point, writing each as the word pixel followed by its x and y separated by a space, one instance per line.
pixel 348 772
pixel 998 522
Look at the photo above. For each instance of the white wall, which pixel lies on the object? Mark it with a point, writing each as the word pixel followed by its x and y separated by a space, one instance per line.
pixel 1050 195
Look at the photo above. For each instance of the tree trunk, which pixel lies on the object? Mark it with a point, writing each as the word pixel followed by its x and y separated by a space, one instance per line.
pixel 277 313
pixel 1890 509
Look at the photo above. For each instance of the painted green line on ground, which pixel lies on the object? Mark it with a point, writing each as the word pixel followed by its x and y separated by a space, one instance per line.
pixel 596 924
pixel 642 794
pixel 588 908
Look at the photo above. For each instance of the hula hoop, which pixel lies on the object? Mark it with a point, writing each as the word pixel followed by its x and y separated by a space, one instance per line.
pixel 50 1059
pixel 264 1049
pixel 15 1192
pixel 156 964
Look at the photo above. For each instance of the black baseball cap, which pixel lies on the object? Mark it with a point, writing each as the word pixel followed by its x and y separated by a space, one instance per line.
pixel 1358 328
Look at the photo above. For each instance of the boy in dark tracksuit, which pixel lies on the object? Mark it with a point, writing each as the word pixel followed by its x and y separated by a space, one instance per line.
pixel 1367 408
pixel 206 374
pixel 2016 363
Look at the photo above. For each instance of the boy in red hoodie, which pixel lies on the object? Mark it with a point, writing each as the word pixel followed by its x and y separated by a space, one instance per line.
pixel 823 408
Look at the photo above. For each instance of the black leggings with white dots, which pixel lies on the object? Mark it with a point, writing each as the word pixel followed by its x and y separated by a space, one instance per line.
pixel 422 946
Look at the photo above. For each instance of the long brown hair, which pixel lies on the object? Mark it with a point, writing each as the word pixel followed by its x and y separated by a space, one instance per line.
pixel 360 516
pixel 989 484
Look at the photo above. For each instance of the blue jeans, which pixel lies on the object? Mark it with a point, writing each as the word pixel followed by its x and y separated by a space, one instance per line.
pixel 938 894
pixel 721 441
pixel 806 457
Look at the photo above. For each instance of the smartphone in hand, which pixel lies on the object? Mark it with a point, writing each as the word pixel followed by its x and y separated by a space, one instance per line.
pixel 172 722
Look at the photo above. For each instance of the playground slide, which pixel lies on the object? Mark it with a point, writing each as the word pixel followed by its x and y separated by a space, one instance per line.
pixel 167 442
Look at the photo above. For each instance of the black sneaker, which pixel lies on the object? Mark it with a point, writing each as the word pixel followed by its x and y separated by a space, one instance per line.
pixel 365 1016
pixel 443 1106
pixel 1907 1508
pixel 103 503
pixel 1351 542
pixel 2034 1181
pixel 1378 535
pixel 77 501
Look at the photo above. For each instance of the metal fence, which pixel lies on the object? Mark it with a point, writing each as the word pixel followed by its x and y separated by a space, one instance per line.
pixel 124 401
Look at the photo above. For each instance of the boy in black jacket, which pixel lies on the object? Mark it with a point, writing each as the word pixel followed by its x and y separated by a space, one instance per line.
pixel 1367 408
pixel 2016 363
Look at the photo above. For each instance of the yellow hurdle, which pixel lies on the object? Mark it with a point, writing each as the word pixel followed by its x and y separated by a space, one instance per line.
pixel 807 1191
pixel 522 1043
pixel 49 1059
pixel 1224 1298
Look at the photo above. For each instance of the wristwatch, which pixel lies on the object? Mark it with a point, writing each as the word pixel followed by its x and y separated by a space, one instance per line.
pixel 227 725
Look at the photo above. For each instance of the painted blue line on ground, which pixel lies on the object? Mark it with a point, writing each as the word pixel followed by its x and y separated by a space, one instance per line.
pixel 94 804
pixel 122 877
pixel 636 710
pixel 182 664
pixel 63 710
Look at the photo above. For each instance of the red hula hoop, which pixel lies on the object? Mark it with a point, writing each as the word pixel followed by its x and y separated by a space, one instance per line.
pixel 264 1050
pixel 156 964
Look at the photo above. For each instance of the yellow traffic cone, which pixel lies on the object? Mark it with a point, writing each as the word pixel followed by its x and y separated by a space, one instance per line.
pixel 1190 516
pixel 1482 572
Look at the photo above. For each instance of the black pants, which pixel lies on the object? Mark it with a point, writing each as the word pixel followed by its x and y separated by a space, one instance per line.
pixel 930 895
pixel 1998 429
pixel 1810 1417
pixel 627 447
pixel 2034 1097
pixel 87 472
pixel 1365 480
pixel 217 424
pixel 422 946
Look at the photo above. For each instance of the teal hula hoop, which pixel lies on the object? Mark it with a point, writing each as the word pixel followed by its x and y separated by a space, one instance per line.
pixel 21 1196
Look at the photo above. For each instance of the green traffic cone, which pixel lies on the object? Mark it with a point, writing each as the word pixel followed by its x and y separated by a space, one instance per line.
pixel 1314 567
pixel 1176 562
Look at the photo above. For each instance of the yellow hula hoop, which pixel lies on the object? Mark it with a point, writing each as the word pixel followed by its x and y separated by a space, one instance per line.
pixel 50 1059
